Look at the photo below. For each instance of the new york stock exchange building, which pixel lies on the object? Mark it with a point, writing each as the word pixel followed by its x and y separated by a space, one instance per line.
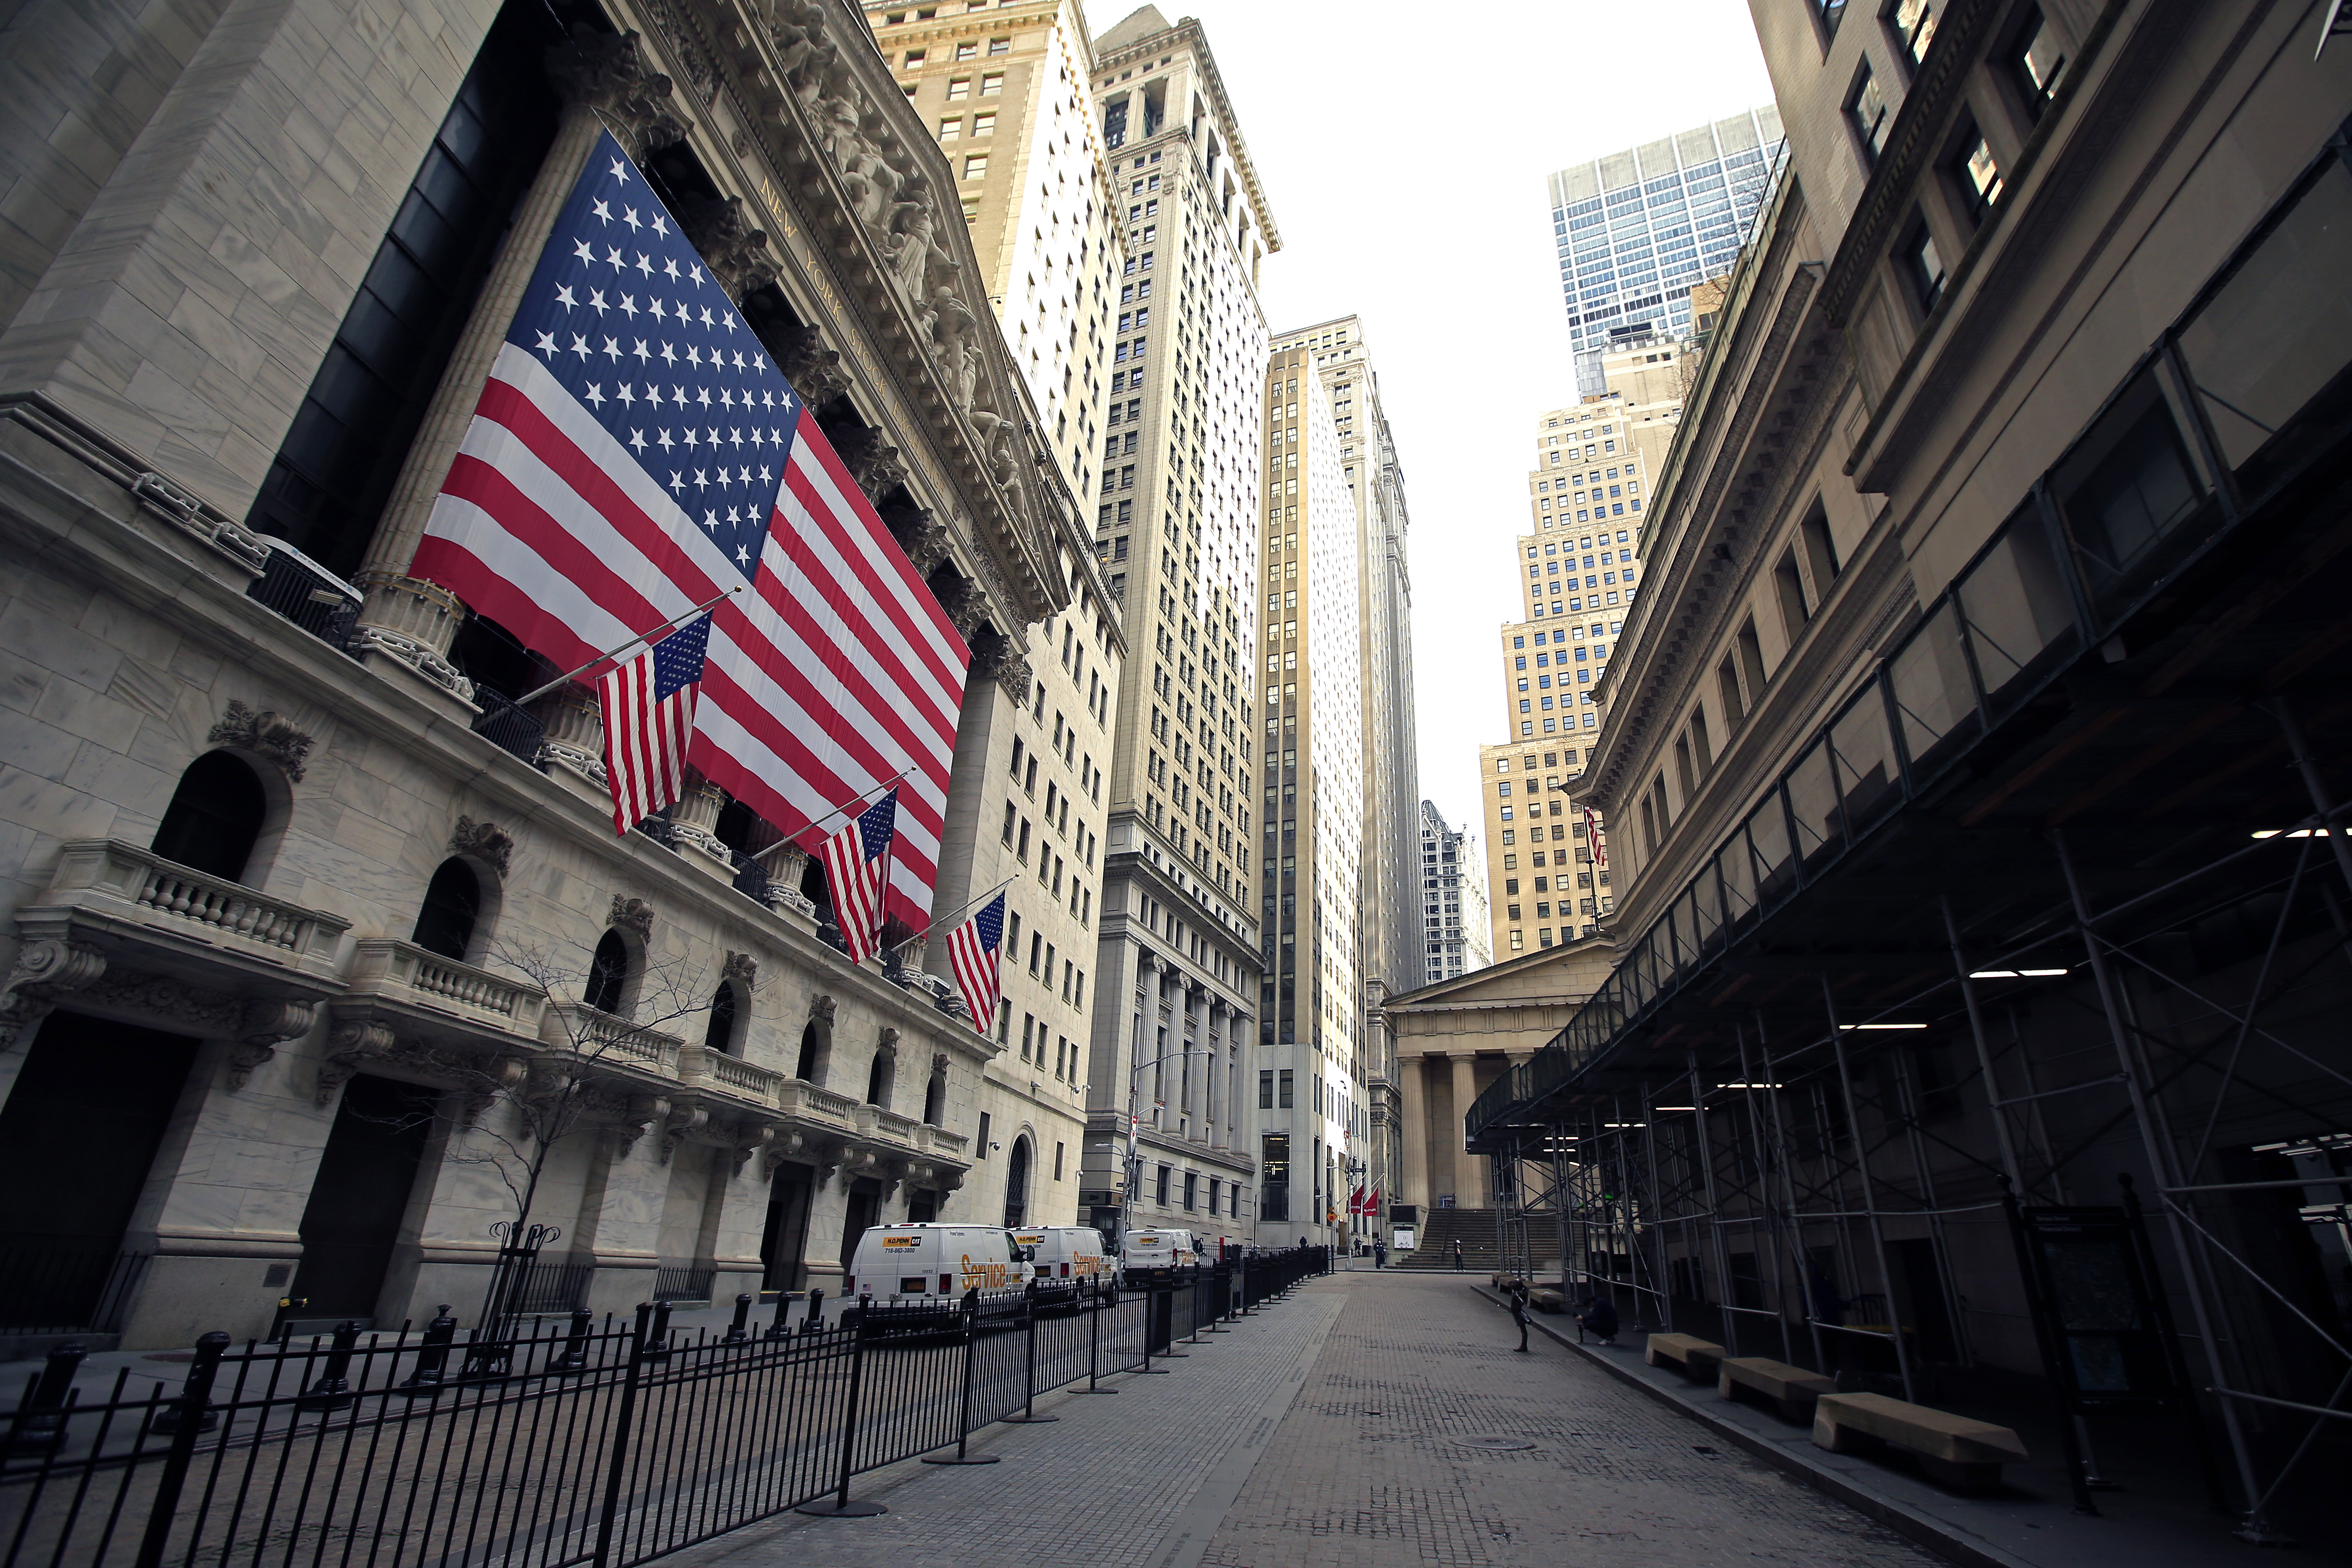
pixel 328 973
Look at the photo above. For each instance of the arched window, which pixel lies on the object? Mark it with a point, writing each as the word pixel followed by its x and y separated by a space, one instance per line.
pixel 721 1035
pixel 452 901
pixel 214 817
pixel 1016 1184
pixel 608 974
pixel 878 1079
pixel 816 1045
pixel 935 1096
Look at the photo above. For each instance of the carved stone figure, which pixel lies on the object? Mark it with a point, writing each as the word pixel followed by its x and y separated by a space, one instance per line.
pixel 741 968
pixel 821 1010
pixel 483 841
pixel 632 914
pixel 267 1021
pixel 265 734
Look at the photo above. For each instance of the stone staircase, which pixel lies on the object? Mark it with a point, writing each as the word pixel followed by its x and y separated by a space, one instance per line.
pixel 1478 1231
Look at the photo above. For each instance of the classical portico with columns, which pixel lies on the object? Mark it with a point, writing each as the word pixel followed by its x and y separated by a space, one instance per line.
pixel 1454 1038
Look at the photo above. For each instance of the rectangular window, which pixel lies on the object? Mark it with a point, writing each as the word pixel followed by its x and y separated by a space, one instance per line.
pixel 1865 109
pixel 1057 1161
pixel 1283 1090
pixel 958 88
pixel 1789 588
pixel 1266 1089
pixel 1829 13
pixel 984 125
pixel 1977 175
pixel 1159 1188
pixel 950 130
pixel 1923 264
pixel 1913 25
pixel 2036 61
pixel 975 166
pixel 991 84
pixel 1726 686
pixel 980 1150
pixel 1751 660
pixel 1192 1189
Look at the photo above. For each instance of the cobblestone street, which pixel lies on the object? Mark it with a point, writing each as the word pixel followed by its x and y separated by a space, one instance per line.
pixel 1344 1426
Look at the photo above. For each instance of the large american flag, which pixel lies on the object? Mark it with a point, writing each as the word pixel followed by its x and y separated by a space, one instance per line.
pixel 975 949
pixel 854 860
pixel 634 453
pixel 648 705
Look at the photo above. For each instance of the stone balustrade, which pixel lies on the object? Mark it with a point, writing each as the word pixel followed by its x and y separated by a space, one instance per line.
pixel 403 973
pixel 699 1067
pixel 610 1041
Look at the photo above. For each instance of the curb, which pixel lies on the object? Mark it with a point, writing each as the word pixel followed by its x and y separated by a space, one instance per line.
pixel 1939 1536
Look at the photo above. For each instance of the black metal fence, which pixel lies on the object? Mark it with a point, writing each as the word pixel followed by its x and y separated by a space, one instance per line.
pixel 570 1444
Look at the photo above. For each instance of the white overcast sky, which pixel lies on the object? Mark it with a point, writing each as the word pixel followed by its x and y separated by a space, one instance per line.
pixel 1403 150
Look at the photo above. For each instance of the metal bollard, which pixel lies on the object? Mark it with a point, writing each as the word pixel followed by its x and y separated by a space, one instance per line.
pixel 740 1330
pixel 333 1389
pixel 657 1339
pixel 41 1418
pixel 432 1355
pixel 816 1309
pixel 194 1405
pixel 780 1326
pixel 575 1344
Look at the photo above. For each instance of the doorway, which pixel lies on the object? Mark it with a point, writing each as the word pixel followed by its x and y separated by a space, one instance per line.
pixel 864 1208
pixel 78 1136
pixel 360 1197
pixel 784 1243
pixel 1016 1187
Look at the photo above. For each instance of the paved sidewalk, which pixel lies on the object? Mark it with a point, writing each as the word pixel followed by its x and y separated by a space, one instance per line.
pixel 1135 1479
pixel 1339 1428
pixel 1380 1463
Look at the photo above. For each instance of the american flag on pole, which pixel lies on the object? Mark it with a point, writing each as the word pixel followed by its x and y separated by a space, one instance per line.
pixel 633 453
pixel 974 950
pixel 648 720
pixel 1592 839
pixel 854 861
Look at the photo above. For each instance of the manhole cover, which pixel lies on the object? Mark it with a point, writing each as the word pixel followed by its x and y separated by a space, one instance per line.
pixel 1497 1445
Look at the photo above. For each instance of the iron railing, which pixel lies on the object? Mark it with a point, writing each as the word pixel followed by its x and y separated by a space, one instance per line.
pixel 513 729
pixel 570 1444
pixel 55 1287
pixel 683 1284
pixel 306 594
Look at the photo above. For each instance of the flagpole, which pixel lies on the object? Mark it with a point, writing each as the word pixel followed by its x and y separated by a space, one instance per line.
pixel 937 920
pixel 788 841
pixel 616 653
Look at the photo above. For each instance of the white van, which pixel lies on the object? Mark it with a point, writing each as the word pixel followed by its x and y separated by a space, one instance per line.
pixel 912 1265
pixel 1062 1258
pixel 1152 1256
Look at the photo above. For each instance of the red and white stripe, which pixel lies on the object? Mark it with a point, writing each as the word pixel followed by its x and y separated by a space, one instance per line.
pixel 837 672
pixel 856 884
pixel 977 974
pixel 645 740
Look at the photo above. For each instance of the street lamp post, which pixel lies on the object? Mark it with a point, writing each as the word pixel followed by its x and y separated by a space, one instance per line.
pixel 1133 1171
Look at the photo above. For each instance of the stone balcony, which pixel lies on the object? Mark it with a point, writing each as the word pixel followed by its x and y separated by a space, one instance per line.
pixel 134 905
pixel 124 933
pixel 422 993
pixel 610 1046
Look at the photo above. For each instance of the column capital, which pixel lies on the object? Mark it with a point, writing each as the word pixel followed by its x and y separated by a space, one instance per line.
pixel 611 75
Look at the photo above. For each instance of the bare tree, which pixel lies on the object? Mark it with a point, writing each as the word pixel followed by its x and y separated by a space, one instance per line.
pixel 516 1112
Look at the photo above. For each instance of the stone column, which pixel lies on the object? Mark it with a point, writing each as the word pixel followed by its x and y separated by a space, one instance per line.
pixel 828 1212
pixel 1413 1093
pixel 407 624
pixel 1215 1108
pixel 1469 1190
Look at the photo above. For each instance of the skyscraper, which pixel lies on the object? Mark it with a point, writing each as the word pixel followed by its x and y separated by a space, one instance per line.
pixel 1635 229
pixel 1454 899
pixel 1387 927
pixel 1175 510
pixel 1311 885
pixel 1007 92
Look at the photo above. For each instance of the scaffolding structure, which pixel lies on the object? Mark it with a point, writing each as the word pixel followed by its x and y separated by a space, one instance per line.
pixel 2051 925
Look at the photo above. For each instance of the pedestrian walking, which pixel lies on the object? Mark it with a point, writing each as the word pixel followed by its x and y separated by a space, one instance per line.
pixel 1379 1255
pixel 1600 1319
pixel 1457 1255
pixel 1518 1294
